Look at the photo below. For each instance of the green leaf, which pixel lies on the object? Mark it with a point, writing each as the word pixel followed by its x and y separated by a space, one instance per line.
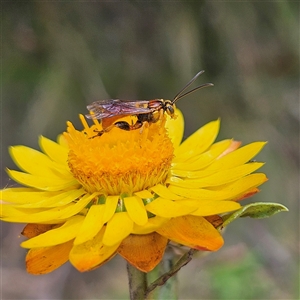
pixel 258 210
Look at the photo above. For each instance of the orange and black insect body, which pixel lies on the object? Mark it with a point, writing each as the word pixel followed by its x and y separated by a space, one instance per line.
pixel 111 110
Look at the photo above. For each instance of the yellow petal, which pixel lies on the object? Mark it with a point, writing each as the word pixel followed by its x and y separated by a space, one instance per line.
pixel 217 178
pixel 11 213
pixel 50 216
pixel 55 151
pixel 175 128
pixel 230 191
pixel 45 260
pixel 152 224
pixel 207 208
pixel 143 251
pixel 243 185
pixel 192 231
pixel 61 140
pixel 237 157
pixel 117 228
pixel 42 183
pixel 60 235
pixel 110 207
pixel 30 160
pixel 37 163
pixel 200 161
pixel 136 210
pixel 92 253
pixel 92 224
pixel 144 194
pixel 164 192
pixel 74 209
pixel 58 199
pixel 23 195
pixel 168 208
pixel 198 142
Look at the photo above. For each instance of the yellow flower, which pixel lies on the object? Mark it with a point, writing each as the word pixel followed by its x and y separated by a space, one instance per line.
pixel 89 197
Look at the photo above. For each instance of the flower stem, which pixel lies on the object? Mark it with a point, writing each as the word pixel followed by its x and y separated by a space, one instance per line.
pixel 138 288
pixel 169 290
pixel 137 283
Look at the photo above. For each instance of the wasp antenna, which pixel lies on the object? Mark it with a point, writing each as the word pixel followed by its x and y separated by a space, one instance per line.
pixel 181 94
pixel 192 91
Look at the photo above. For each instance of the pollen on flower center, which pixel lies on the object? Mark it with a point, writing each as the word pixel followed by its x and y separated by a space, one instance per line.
pixel 119 161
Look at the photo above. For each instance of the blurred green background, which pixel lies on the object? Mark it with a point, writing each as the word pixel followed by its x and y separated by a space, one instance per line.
pixel 60 56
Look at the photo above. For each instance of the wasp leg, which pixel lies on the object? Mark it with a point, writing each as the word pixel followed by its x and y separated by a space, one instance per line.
pixel 100 132
pixel 122 125
pixel 137 125
pixel 154 117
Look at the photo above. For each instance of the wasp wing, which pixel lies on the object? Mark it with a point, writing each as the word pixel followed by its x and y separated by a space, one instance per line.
pixel 114 107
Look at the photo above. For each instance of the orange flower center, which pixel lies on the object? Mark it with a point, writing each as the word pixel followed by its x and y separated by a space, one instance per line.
pixel 119 161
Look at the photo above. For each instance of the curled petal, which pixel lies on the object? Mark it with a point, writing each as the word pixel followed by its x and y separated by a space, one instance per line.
pixel 45 260
pixel 194 232
pixel 215 220
pixel 143 251
pixel 92 254
pixel 32 230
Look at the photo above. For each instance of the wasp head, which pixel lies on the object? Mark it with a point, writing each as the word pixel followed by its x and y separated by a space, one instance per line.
pixel 169 108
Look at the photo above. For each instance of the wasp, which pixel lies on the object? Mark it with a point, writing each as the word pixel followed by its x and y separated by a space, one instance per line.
pixel 109 111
